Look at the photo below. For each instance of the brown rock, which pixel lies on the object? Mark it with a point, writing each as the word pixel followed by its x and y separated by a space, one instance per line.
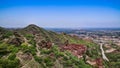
pixel 76 49
pixel 16 41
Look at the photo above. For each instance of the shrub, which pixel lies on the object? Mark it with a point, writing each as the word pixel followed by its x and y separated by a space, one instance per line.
pixel 7 34
pixel 6 63
pixel 32 42
pixel 68 63
pixel 32 50
pixel 29 49
pixel 13 49
pixel 29 36
pixel 65 58
pixel 3 49
pixel 49 64
pixel 46 51
pixel 54 48
pixel 48 61
pixel 12 56
pixel 38 59
pixel 59 54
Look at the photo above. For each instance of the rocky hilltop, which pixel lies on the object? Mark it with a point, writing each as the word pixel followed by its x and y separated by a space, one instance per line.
pixel 35 47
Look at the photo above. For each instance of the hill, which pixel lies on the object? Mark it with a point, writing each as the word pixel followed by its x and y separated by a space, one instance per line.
pixel 35 47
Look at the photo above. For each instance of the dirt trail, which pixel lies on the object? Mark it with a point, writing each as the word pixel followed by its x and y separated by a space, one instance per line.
pixel 27 63
pixel 25 40
pixel 38 52
pixel 37 38
pixel 110 50
pixel 103 53
pixel 91 62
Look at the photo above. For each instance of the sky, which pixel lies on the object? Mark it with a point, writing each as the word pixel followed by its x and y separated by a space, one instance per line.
pixel 60 13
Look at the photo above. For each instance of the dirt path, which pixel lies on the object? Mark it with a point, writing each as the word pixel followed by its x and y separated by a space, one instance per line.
pixel 110 50
pixel 91 62
pixel 26 41
pixel 37 39
pixel 27 63
pixel 38 52
pixel 103 53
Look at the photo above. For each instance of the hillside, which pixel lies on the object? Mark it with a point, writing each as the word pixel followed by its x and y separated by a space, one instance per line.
pixel 35 47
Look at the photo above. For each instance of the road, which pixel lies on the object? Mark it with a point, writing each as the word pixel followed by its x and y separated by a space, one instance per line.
pixel 103 53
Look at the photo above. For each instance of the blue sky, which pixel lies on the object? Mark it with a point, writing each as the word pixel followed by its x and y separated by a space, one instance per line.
pixel 60 13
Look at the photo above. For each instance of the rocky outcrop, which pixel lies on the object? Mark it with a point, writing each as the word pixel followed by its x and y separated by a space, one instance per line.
pixel 17 39
pixel 76 49
pixel 24 58
pixel 45 44
pixel 97 63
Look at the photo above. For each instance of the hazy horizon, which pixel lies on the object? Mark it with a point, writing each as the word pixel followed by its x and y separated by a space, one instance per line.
pixel 118 28
pixel 60 13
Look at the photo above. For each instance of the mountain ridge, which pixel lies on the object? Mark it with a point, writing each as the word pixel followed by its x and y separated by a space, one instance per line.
pixel 46 48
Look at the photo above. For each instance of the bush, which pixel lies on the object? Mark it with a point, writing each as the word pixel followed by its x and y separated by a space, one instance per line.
pixel 32 42
pixel 116 64
pixel 68 63
pixel 65 58
pixel 38 59
pixel 32 50
pixel 29 36
pixel 6 63
pixel 3 49
pixel 7 34
pixel 13 49
pixel 12 56
pixel 49 64
pixel 48 61
pixel 55 48
pixel 29 49
pixel 46 51
pixel 59 54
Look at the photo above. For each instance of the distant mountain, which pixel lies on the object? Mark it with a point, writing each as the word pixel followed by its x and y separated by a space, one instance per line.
pixel 45 34
pixel 35 47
